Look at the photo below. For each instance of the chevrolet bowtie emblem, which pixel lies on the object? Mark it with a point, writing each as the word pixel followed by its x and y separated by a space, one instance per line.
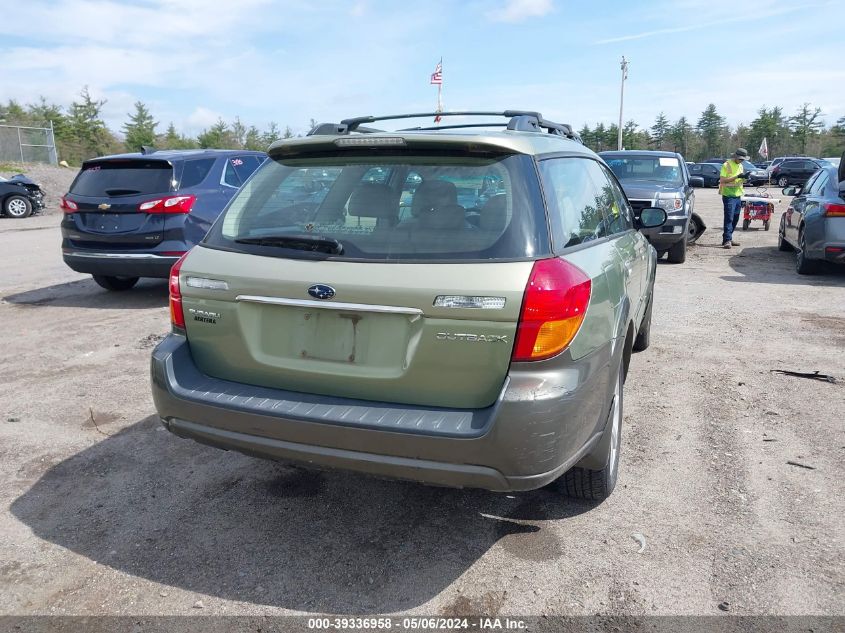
pixel 104 206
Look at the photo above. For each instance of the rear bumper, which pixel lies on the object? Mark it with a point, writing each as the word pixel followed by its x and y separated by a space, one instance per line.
pixel 119 264
pixel 541 425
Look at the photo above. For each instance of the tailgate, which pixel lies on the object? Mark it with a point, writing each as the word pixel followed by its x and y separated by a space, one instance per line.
pixel 380 337
pixel 108 195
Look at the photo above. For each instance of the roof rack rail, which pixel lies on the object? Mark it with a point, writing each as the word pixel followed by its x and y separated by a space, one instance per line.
pixel 521 120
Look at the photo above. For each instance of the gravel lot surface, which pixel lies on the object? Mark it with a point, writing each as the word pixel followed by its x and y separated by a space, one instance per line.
pixel 104 512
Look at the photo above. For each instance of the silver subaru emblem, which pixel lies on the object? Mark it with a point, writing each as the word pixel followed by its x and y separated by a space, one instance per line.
pixel 321 291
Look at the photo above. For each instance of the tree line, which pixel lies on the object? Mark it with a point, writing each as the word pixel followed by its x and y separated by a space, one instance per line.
pixel 81 133
pixel 802 133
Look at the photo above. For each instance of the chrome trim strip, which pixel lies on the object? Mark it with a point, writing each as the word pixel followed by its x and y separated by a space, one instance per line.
pixel 329 305
pixel 119 255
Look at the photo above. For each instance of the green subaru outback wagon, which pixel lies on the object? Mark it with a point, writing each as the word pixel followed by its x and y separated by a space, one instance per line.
pixel 453 305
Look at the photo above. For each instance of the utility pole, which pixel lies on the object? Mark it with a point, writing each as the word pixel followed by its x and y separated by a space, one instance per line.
pixel 624 66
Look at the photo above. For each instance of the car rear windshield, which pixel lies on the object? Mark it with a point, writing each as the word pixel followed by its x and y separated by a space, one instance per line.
pixel 115 178
pixel 662 169
pixel 389 207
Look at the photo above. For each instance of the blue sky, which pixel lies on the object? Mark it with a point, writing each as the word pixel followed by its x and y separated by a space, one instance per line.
pixel 288 61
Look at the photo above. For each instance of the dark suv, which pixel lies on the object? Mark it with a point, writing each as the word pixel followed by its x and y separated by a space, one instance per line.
pixel 795 171
pixel 133 215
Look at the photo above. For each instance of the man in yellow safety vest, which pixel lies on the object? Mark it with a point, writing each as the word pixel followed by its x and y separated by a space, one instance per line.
pixel 730 186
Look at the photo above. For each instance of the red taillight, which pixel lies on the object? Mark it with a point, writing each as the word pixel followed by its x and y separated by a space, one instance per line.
pixel 833 210
pixel 168 204
pixel 553 308
pixel 177 316
pixel 68 206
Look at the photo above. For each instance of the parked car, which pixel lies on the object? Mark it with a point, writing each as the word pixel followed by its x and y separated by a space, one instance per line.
pixel 777 161
pixel 20 197
pixel 795 171
pixel 660 179
pixel 387 333
pixel 814 223
pixel 762 164
pixel 756 175
pixel 134 215
pixel 708 172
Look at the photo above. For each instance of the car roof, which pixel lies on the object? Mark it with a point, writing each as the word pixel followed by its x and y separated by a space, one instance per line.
pixel 527 132
pixel 177 154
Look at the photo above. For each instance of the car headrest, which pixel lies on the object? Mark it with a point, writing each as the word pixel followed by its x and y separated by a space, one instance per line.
pixel 447 216
pixel 432 194
pixel 373 200
pixel 494 213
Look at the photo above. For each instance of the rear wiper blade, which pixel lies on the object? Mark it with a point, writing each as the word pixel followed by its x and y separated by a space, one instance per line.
pixel 313 243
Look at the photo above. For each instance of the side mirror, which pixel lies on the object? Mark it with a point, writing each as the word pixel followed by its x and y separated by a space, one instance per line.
pixel 652 217
pixel 696 181
pixel 792 190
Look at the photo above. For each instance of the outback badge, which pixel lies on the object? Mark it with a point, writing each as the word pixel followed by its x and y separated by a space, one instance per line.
pixel 321 291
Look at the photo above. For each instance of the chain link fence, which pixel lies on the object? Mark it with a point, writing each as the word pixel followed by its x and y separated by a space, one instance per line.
pixel 25 144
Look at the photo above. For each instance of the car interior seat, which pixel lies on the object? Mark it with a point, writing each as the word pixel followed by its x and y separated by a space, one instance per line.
pixel 374 200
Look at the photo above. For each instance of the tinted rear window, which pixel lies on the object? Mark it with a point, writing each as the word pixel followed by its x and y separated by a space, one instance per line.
pixel 108 179
pixel 398 207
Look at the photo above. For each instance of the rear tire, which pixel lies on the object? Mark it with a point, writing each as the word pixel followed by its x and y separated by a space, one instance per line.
pixel 18 207
pixel 803 265
pixel 596 485
pixel 746 224
pixel 643 339
pixel 766 225
pixel 678 252
pixel 115 283
pixel 783 181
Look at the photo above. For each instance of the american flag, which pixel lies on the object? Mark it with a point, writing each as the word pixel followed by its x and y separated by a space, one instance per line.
pixel 437 75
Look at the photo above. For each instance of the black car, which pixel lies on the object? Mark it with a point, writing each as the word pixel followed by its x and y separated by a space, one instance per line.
pixel 709 173
pixel 134 215
pixel 795 171
pixel 20 197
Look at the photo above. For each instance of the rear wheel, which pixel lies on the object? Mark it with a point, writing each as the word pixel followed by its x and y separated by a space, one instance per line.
pixel 766 225
pixel 783 181
pixel 678 252
pixel 17 207
pixel 115 283
pixel 596 485
pixel 803 265
pixel 746 224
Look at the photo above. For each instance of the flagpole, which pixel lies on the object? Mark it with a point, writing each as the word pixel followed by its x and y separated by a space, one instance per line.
pixel 440 92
